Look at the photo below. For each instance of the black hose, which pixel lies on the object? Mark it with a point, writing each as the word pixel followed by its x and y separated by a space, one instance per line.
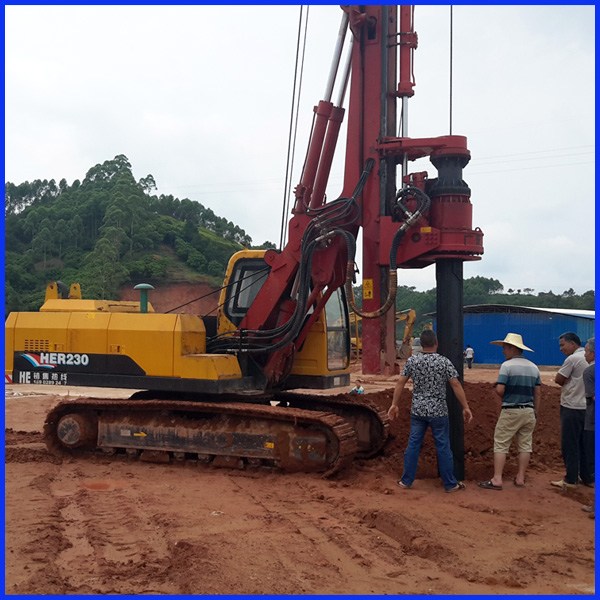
pixel 324 225
pixel 423 205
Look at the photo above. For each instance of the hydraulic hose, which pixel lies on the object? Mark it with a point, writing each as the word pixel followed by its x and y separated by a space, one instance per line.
pixel 391 297
pixel 326 224
pixel 410 219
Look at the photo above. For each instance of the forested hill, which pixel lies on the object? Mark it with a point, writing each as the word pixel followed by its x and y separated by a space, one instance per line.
pixel 106 231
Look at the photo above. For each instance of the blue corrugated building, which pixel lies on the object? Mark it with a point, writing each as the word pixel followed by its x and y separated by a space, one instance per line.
pixel 540 328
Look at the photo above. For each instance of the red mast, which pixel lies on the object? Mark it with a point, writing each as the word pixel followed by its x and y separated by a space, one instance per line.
pixel 443 234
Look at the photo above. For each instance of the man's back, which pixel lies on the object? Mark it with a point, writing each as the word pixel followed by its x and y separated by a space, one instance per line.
pixel 519 376
pixel 429 372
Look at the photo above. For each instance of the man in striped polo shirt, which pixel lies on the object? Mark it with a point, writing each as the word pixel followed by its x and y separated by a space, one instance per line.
pixel 518 386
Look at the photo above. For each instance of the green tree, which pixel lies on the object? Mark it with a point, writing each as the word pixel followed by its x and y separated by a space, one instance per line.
pixel 103 272
pixel 215 268
pixel 11 298
pixel 42 243
pixel 197 261
pixel 61 235
pixel 77 229
pixel 477 290
pixel 266 246
pixel 147 184
pixel 114 216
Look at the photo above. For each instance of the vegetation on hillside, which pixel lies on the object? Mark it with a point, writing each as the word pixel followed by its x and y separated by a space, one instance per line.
pixel 106 231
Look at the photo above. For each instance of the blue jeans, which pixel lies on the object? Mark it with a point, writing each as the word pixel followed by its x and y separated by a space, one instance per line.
pixel 440 429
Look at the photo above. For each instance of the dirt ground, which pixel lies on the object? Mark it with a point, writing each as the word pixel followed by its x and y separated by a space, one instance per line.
pixel 96 526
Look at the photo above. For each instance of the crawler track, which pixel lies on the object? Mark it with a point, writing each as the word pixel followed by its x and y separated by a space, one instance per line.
pixel 225 434
pixel 370 422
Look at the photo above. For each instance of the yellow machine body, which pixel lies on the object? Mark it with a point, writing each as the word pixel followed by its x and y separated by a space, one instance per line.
pixel 76 341
pixel 160 345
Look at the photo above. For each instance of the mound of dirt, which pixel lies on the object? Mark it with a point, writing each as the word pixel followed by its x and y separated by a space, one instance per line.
pixel 478 436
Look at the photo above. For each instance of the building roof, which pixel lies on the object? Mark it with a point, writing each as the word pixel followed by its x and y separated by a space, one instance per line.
pixel 490 308
pixel 510 308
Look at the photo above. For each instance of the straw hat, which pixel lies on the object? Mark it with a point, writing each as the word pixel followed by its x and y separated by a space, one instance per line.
pixel 514 339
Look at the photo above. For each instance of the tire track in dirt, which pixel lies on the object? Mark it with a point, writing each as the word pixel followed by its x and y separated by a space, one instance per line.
pixel 526 567
pixel 39 530
pixel 110 527
pixel 12 437
pixel 292 530
pixel 72 520
pixel 141 543
pixel 367 547
pixel 25 447
pixel 398 548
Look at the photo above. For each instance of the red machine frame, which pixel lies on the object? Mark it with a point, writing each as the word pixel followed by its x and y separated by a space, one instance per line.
pixel 444 235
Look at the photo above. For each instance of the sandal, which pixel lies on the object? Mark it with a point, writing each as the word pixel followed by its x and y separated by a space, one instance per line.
pixel 488 485
pixel 459 486
pixel 518 484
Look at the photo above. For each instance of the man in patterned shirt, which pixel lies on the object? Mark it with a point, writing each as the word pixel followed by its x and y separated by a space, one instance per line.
pixel 429 372
pixel 518 386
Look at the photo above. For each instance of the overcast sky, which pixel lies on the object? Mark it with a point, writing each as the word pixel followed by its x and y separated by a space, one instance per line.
pixel 199 97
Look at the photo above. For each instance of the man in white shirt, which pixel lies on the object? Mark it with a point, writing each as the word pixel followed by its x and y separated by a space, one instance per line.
pixel 575 450
pixel 469 355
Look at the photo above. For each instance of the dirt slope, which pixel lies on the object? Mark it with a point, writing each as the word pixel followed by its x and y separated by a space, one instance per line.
pixel 100 527
pixel 193 299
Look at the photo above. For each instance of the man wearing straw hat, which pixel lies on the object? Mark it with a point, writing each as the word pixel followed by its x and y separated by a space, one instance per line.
pixel 518 386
